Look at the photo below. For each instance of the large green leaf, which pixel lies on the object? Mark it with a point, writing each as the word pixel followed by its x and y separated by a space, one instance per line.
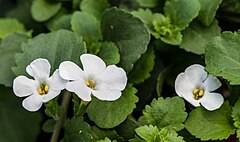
pixel 43 10
pixel 208 10
pixel 196 36
pixel 110 114
pixel 109 53
pixel 182 12
pixel 86 26
pixel 236 117
pixel 222 56
pixel 128 33
pixel 211 125
pixel 10 45
pixel 8 26
pixel 94 7
pixel 17 125
pixel 57 47
pixel 162 113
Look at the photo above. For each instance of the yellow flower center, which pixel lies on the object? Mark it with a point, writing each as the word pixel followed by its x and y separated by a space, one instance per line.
pixel 43 89
pixel 198 94
pixel 90 83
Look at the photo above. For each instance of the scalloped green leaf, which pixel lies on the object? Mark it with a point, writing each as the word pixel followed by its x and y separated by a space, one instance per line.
pixel 142 68
pixel 222 57
pixel 128 33
pixel 109 53
pixel 182 12
pixel 57 47
pixel 208 10
pixel 10 25
pixel 94 7
pixel 62 22
pixel 162 113
pixel 148 3
pixel 236 117
pixel 10 45
pixel 86 25
pixel 196 36
pixel 211 125
pixel 42 10
pixel 110 114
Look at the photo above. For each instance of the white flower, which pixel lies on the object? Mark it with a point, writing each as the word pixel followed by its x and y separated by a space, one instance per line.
pixel 105 83
pixel 40 90
pixel 196 86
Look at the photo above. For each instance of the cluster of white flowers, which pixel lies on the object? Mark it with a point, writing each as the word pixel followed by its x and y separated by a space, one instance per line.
pixel 104 82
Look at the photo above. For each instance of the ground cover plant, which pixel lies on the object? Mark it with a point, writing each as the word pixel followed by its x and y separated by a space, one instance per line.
pixel 119 70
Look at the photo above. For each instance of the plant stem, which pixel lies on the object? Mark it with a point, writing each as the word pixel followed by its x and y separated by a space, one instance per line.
pixel 59 123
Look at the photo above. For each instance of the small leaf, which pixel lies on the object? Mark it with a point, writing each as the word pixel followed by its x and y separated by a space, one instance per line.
pixel 99 134
pixel 8 26
pixel 142 68
pixel 42 10
pixel 236 117
pixel 132 36
pixel 109 53
pixel 110 114
pixel 77 130
pixel 10 45
pixel 208 10
pixel 49 125
pixel 105 140
pixel 62 22
pixel 211 125
pixel 148 3
pixel 86 25
pixel 94 7
pixel 57 47
pixel 196 36
pixel 162 113
pixel 53 109
pixel 222 57
pixel 182 12
pixel 148 133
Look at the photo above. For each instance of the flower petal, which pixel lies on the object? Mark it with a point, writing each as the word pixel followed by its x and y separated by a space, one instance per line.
pixel 212 101
pixel 183 85
pixel 56 82
pixel 50 95
pixel 114 77
pixel 23 86
pixel 211 83
pixel 190 98
pixel 107 95
pixel 80 89
pixel 92 65
pixel 33 102
pixel 70 71
pixel 197 74
pixel 39 69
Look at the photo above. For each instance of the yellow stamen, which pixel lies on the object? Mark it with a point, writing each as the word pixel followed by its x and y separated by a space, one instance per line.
pixel 198 94
pixel 43 89
pixel 90 84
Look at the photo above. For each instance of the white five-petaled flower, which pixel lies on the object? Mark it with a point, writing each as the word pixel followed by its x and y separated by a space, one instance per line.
pixel 196 86
pixel 40 90
pixel 97 79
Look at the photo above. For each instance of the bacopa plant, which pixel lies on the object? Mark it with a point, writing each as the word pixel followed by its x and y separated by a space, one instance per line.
pixel 119 70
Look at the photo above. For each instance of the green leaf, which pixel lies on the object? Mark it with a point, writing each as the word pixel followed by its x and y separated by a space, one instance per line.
pixel 99 134
pixel 105 140
pixel 222 57
pixel 182 12
pixel 110 114
pixel 109 53
pixel 236 117
pixel 86 25
pixel 94 7
pixel 8 26
pixel 10 45
pixel 132 36
pixel 142 68
pixel 42 10
pixel 211 125
pixel 148 133
pixel 169 136
pixel 77 130
pixel 17 124
pixel 57 47
pixel 196 36
pixel 208 10
pixel 162 113
pixel 148 3
pixel 49 125
pixel 53 109
pixel 62 22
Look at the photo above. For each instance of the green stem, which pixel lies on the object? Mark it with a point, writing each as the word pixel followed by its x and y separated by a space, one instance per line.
pixel 58 125
pixel 82 108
